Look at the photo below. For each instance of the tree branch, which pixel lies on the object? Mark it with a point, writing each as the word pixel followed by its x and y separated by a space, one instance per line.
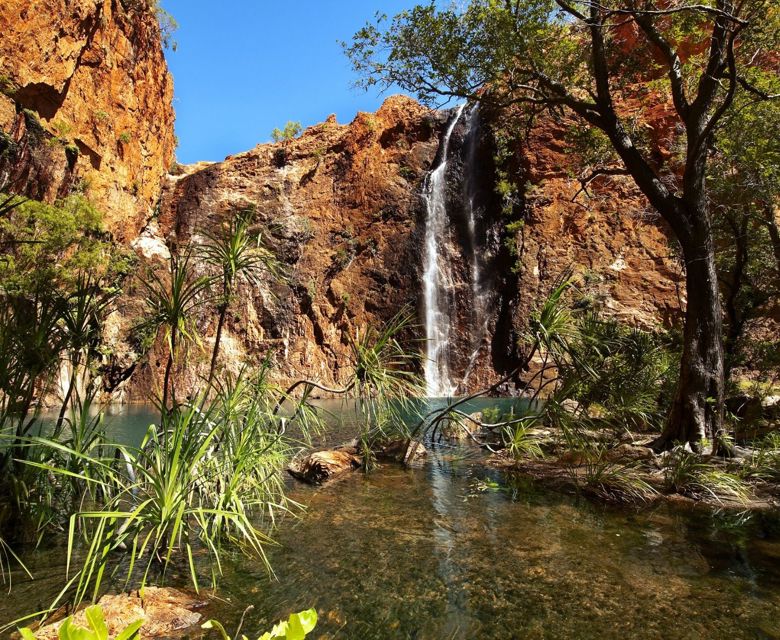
pixel 672 60
pixel 602 171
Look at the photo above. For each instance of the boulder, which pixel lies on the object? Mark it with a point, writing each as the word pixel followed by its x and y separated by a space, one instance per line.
pixel 630 453
pixel 401 450
pixel 321 466
pixel 167 613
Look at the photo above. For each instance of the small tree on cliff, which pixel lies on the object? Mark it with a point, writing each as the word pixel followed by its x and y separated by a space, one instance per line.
pixel 589 59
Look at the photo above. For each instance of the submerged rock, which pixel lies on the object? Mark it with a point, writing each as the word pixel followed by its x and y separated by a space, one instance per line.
pixel 321 466
pixel 401 451
pixel 166 612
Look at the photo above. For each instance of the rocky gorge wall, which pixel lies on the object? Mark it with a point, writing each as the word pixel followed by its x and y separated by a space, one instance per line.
pixel 342 207
pixel 85 105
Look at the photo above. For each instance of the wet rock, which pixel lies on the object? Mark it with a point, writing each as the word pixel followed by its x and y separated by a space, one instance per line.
pixel 167 613
pixel 630 453
pixel 402 451
pixel 321 466
pixel 460 430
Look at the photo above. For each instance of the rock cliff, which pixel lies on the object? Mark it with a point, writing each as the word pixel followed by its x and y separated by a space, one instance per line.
pixel 342 207
pixel 85 105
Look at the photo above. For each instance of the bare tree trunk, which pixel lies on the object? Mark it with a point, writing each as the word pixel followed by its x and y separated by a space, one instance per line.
pixel 167 377
pixel 697 409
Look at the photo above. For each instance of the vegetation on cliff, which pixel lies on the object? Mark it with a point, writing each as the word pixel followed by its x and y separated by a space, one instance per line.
pixel 697 63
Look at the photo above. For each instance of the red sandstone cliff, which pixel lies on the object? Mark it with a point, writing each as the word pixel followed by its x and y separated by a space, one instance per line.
pixel 341 206
pixel 85 104
pixel 92 78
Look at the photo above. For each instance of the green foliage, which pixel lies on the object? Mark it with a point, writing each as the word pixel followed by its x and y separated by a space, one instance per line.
pixel 125 137
pixel 235 252
pixel 744 179
pixel 210 475
pixel 35 131
pixel 612 481
pixel 97 629
pixel 7 86
pixel 764 463
pixel 688 473
pixel 168 27
pixel 173 298
pixel 291 131
pixel 296 627
pixel 47 245
pixel 617 371
pixel 384 380
pixel 519 439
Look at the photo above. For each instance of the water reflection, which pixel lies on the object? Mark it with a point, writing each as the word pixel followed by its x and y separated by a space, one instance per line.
pixel 450 549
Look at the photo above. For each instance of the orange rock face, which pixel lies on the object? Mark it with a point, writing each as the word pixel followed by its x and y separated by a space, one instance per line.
pixel 85 104
pixel 93 77
pixel 341 206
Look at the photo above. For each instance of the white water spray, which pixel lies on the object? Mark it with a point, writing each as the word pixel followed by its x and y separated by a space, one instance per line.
pixel 437 275
pixel 479 294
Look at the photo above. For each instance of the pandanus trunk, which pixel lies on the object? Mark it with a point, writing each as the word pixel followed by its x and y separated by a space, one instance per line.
pixel 217 340
pixel 69 392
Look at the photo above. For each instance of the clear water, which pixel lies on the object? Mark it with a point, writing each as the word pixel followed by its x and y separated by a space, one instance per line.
pixel 451 549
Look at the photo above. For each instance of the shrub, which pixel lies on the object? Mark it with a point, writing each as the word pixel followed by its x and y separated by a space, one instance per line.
pixel 291 130
pixel 687 473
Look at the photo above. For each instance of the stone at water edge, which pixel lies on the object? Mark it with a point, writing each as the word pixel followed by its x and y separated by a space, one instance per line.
pixel 401 451
pixel 166 613
pixel 626 452
pixel 463 430
pixel 321 466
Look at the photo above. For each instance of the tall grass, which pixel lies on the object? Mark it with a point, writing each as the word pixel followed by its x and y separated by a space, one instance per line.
pixel 207 479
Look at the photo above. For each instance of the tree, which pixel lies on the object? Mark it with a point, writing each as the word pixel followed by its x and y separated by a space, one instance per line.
pixel 235 252
pixel 172 302
pixel 745 190
pixel 291 130
pixel 586 58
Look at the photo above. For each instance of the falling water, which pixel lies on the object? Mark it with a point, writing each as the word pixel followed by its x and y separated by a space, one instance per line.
pixel 437 275
pixel 479 293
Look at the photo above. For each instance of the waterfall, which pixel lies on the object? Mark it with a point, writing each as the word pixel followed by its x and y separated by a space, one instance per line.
pixel 437 274
pixel 479 293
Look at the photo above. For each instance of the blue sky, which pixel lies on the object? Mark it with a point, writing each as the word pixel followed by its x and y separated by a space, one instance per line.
pixel 243 67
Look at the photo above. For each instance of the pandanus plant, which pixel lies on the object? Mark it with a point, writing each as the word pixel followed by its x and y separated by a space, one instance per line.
pixel 235 253
pixel 82 320
pixel 172 300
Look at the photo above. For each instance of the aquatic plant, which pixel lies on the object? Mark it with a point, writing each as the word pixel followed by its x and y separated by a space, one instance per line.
pixel 97 630
pixel 296 627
